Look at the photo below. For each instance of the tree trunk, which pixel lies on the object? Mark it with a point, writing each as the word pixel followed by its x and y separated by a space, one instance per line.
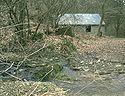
pixel 102 18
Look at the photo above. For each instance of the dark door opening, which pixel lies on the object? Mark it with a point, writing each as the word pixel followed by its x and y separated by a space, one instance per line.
pixel 88 28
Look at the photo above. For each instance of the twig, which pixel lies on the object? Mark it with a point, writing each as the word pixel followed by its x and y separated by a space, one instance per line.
pixel 47 73
pixel 24 30
pixel 14 76
pixel 83 88
pixel 14 25
pixel 33 91
pixel 45 93
pixel 7 68
pixel 26 57
pixel 21 45
pixel 37 50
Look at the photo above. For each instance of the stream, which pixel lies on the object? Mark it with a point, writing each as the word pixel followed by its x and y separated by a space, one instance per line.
pixel 83 86
pixel 88 83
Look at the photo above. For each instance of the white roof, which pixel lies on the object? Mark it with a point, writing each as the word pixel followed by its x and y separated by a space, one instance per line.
pixel 80 19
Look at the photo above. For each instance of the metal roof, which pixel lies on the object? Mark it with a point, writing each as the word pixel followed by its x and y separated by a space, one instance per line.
pixel 80 19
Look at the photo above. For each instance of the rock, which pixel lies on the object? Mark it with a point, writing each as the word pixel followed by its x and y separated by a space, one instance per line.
pixel 91 63
pixel 86 70
pixel 98 61
pixel 118 66
pixel 82 62
pixel 76 68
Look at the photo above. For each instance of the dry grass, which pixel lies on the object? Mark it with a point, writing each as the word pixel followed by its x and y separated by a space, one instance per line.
pixel 19 88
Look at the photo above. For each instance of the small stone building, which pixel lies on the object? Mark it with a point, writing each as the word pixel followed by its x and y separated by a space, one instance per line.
pixel 87 23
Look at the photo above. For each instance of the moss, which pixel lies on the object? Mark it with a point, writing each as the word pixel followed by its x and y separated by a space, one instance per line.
pixel 65 31
pixel 36 36
pixel 66 47
pixel 47 72
pixel 64 77
pixel 57 68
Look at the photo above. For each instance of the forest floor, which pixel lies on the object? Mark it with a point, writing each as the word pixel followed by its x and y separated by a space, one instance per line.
pixel 97 70
pixel 100 67
pixel 19 88
pixel 105 47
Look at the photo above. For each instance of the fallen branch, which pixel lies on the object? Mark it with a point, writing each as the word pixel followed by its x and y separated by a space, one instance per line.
pixel 7 68
pixel 14 25
pixel 26 57
pixel 14 76
pixel 31 93
pixel 83 88
pixel 47 73
pixel 119 71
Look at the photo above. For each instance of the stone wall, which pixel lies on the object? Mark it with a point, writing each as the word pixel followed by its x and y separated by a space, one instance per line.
pixel 94 29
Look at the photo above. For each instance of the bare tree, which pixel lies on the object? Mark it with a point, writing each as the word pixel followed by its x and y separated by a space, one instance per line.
pixel 53 9
pixel 102 7
pixel 18 11
pixel 118 15
pixel 115 16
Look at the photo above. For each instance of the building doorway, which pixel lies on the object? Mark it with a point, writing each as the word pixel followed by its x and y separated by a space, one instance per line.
pixel 88 28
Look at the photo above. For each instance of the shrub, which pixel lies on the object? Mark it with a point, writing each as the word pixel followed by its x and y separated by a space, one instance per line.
pixel 47 72
pixel 67 47
pixel 65 31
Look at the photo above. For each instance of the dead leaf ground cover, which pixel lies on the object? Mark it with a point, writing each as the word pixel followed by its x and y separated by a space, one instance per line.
pixel 105 47
pixel 101 69
pixel 18 88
